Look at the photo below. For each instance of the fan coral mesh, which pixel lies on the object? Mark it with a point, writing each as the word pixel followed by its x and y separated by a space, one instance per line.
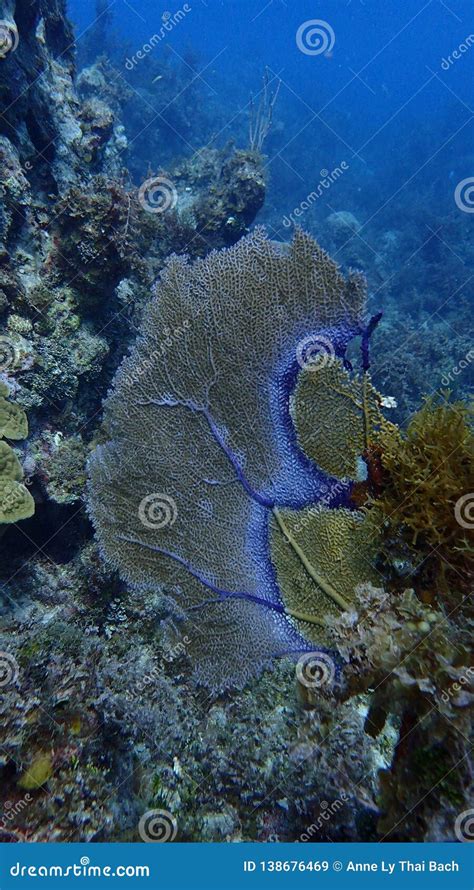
pixel 324 393
pixel 339 548
pixel 203 447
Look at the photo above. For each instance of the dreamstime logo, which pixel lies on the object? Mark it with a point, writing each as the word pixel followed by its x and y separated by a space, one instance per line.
pixel 315 352
pixel 315 669
pixel 8 38
pixel 169 21
pixel 315 37
pixel 328 177
pixel 8 354
pixel 458 53
pixel 328 493
pixel 12 810
pixel 327 811
pixel 466 679
pixel 157 510
pixel 157 195
pixel 157 827
pixel 458 369
pixel 464 826
pixel 464 195
pixel 171 339
pixel 464 510
pixel 8 669
pixel 156 673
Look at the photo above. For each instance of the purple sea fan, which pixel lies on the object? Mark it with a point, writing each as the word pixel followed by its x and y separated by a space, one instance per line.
pixel 203 450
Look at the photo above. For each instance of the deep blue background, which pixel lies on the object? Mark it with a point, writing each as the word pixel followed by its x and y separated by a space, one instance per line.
pixel 381 99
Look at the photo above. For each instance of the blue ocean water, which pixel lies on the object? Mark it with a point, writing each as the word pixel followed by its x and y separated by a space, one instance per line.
pixel 392 95
pixel 374 118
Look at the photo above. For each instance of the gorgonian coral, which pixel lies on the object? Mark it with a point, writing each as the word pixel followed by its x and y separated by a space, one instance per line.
pixel 427 490
pixel 197 487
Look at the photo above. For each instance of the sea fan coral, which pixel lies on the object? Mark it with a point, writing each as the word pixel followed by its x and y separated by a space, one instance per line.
pixel 337 417
pixel 204 457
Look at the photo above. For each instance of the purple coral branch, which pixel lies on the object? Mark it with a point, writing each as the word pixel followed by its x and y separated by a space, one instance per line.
pixel 366 335
pixel 260 499
pixel 222 594
pixel 173 403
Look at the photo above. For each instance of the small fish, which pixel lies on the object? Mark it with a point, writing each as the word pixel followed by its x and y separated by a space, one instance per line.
pixel 158 77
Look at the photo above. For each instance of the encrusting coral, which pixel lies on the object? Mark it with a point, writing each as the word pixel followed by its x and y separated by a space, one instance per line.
pixel 16 501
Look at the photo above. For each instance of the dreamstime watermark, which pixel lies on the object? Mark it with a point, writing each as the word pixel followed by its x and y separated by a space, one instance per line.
pixel 458 369
pixel 315 37
pixel 81 869
pixel 157 510
pixel 466 679
pixel 458 53
pixel 157 195
pixel 328 177
pixel 170 339
pixel 8 669
pixel 327 811
pixel 10 504
pixel 464 510
pixel 170 21
pixel 315 669
pixel 8 37
pixel 156 673
pixel 12 810
pixel 464 826
pixel 464 195
pixel 315 352
pixel 157 827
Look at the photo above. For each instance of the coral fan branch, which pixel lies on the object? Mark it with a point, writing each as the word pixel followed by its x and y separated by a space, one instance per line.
pixel 222 594
pixel 321 582
pixel 366 335
pixel 260 499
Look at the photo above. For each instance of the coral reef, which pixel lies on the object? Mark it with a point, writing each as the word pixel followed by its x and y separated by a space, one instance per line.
pixel 412 355
pixel 268 506
pixel 416 661
pixel 99 724
pixel 80 245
